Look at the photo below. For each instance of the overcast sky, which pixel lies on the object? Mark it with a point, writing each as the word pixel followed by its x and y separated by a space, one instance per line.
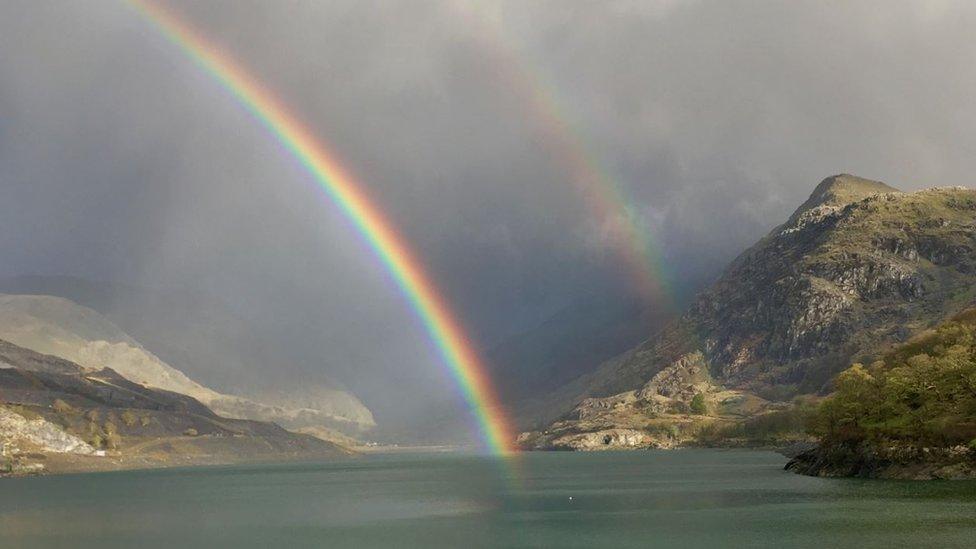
pixel 120 160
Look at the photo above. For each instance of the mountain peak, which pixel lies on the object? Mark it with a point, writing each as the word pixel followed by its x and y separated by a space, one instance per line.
pixel 840 190
pixel 860 269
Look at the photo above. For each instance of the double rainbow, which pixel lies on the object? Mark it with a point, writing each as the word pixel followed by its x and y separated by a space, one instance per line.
pixel 438 320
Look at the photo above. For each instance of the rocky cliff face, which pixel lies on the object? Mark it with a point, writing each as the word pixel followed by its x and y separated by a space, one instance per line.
pixel 17 431
pixel 858 267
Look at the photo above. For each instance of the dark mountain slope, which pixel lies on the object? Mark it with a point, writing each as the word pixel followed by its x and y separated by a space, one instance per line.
pixel 569 344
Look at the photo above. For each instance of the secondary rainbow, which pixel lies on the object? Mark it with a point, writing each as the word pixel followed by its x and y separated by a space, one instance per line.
pixel 440 323
pixel 599 187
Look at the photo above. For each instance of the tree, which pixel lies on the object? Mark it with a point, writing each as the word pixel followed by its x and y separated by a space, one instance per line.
pixel 698 405
pixel 922 393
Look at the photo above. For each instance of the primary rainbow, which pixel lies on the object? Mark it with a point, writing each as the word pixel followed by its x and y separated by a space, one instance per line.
pixel 443 328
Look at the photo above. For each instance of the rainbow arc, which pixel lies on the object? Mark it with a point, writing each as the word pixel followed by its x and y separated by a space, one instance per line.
pixel 349 196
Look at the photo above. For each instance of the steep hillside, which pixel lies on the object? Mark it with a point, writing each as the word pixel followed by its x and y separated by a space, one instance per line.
pixel 57 415
pixel 857 268
pixel 60 327
pixel 201 337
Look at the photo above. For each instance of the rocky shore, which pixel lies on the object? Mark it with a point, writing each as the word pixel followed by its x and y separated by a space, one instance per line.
pixel 886 461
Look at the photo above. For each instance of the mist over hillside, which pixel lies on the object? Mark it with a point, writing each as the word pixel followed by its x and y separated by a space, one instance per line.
pixel 196 333
pixel 60 327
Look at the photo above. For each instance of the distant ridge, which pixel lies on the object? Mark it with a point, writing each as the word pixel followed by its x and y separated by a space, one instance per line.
pixel 60 327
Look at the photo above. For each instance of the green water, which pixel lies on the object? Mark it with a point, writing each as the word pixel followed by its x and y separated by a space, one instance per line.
pixel 686 498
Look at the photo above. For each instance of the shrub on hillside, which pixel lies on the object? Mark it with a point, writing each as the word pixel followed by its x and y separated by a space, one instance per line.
pixel 767 428
pixel 128 418
pixel 62 407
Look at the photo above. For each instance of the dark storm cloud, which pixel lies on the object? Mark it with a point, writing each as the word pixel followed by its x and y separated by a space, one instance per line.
pixel 120 160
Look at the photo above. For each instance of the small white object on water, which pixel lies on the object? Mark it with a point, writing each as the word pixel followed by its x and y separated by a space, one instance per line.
pixel 570 498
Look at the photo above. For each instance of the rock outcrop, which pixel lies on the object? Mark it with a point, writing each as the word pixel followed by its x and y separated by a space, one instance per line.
pixel 682 380
pixel 608 439
pixel 17 431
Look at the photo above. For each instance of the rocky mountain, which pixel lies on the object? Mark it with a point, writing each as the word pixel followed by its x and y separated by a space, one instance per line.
pixel 202 337
pixel 58 415
pixel 858 268
pixel 62 328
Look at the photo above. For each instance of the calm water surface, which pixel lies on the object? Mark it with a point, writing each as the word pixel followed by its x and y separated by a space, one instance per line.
pixel 686 498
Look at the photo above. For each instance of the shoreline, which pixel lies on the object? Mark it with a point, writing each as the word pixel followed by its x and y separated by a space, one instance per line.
pixel 803 458
pixel 407 449
pixel 134 457
pixel 83 465
pixel 72 464
pixel 886 462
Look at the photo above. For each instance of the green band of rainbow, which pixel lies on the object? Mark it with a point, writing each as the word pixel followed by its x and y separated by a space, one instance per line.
pixel 443 328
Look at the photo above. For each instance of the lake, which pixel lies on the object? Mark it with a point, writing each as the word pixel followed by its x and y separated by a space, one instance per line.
pixel 682 498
